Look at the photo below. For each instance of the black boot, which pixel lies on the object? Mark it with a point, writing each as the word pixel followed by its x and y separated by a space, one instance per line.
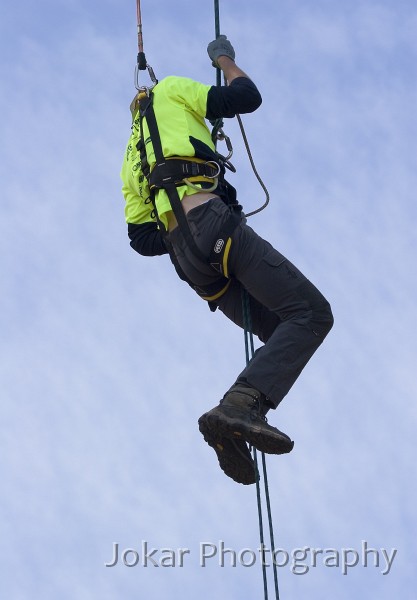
pixel 241 416
pixel 234 457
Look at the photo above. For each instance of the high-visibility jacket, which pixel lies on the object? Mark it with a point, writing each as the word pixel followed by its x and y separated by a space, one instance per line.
pixel 181 106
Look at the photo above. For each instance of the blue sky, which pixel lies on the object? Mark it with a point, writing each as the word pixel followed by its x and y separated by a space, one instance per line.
pixel 107 360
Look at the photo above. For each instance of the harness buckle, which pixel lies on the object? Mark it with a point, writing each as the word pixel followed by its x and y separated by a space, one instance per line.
pixel 215 176
pixel 215 165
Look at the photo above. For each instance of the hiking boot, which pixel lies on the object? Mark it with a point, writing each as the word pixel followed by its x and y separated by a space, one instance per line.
pixel 241 416
pixel 234 457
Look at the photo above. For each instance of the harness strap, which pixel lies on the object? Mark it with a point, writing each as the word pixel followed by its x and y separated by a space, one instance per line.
pixel 147 110
pixel 221 248
pixel 180 170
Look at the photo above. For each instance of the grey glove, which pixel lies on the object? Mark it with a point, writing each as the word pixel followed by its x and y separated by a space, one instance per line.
pixel 220 47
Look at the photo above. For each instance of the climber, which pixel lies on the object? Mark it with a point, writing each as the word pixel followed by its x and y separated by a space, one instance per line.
pixel 179 202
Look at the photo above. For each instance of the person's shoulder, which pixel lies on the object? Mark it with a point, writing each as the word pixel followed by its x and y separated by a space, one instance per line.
pixel 183 91
pixel 167 85
pixel 175 81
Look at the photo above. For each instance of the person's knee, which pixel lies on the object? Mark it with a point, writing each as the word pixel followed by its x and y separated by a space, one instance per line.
pixel 323 319
pixel 318 309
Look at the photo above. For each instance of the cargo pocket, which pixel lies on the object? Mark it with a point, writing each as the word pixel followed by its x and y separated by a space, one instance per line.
pixel 274 258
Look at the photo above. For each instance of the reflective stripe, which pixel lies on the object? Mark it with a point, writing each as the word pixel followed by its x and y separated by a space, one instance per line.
pixel 222 291
pixel 226 256
pixel 194 179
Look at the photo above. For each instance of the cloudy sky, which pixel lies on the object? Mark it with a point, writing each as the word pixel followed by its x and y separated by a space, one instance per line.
pixel 107 360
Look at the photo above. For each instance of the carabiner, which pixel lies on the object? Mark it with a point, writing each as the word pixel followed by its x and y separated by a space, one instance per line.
pixel 222 137
pixel 145 88
pixel 215 178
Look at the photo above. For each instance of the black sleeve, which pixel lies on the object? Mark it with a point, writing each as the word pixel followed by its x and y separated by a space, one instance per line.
pixel 240 97
pixel 146 239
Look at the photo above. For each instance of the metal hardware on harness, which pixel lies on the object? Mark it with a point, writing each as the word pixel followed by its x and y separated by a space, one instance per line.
pixel 215 178
pixel 178 171
pixel 145 88
pixel 222 137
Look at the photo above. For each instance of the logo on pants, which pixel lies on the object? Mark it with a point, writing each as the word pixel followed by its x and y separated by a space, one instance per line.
pixel 218 246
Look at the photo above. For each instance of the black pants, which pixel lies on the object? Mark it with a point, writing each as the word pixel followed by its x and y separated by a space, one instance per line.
pixel 288 312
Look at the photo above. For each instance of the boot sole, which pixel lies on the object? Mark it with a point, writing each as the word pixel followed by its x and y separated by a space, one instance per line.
pixel 234 429
pixel 233 456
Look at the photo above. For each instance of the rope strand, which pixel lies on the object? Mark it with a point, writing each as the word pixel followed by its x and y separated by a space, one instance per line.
pixel 254 169
pixel 248 335
pixel 219 123
pixel 271 529
pixel 261 527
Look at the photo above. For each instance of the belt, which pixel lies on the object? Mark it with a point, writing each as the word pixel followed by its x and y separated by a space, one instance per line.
pixel 187 171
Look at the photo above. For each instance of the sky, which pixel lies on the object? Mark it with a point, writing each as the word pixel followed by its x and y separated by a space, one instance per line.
pixel 108 360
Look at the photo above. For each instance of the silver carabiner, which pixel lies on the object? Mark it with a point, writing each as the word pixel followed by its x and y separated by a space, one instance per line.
pixel 222 137
pixel 145 88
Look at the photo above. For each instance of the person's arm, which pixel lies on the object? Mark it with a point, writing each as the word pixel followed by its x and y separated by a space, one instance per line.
pixel 241 95
pixel 144 234
pixel 146 239
pixel 230 69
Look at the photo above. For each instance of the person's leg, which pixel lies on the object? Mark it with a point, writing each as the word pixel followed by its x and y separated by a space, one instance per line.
pixel 281 295
pixel 290 314
pixel 263 321
pixel 234 456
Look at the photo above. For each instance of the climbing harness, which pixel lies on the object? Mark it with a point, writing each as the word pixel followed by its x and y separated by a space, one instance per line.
pixel 190 171
pixel 167 174
pixel 196 173
pixel 199 174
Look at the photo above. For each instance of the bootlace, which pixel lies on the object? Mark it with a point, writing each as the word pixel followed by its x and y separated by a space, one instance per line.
pixel 256 411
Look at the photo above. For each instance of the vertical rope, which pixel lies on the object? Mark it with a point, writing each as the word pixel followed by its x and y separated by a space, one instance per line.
pixel 247 326
pixel 250 352
pixel 261 527
pixel 217 123
pixel 217 33
pixel 271 529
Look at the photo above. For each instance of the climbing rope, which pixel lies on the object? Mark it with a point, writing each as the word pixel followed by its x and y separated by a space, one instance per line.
pixel 254 169
pixel 141 62
pixel 218 133
pixel 250 352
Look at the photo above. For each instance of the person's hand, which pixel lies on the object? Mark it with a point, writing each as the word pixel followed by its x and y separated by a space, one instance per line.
pixel 220 47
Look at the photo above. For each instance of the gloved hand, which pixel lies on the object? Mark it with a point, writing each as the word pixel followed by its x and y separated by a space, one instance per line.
pixel 220 47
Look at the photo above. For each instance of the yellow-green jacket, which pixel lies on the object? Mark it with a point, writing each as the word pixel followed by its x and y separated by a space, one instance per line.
pixel 181 106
